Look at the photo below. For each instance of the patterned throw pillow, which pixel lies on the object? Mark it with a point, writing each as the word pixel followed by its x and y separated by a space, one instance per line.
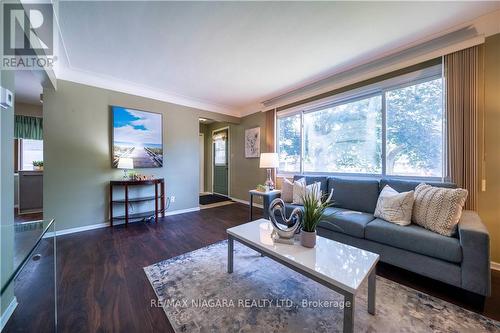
pixel 394 207
pixel 438 209
pixel 287 191
pixel 300 189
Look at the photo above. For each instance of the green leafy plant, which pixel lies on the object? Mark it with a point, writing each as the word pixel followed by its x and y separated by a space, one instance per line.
pixel 314 210
pixel 261 188
pixel 38 163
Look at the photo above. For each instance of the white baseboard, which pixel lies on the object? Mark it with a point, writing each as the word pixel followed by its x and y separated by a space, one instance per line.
pixel 247 202
pixel 182 211
pixel 77 229
pixel 495 266
pixel 106 224
pixel 7 313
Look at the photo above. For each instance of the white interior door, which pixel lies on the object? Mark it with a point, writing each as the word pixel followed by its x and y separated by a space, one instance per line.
pixel 202 163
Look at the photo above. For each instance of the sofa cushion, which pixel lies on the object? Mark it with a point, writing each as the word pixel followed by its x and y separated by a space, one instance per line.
pixel 409 185
pixel 346 221
pixel 438 209
pixel 287 190
pixel 416 239
pixel 394 207
pixel 313 179
pixel 302 191
pixel 354 194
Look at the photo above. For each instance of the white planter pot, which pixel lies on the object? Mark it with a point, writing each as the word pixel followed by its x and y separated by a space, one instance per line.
pixel 308 239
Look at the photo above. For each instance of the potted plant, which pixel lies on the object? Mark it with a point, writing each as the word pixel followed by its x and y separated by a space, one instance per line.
pixel 38 165
pixel 314 212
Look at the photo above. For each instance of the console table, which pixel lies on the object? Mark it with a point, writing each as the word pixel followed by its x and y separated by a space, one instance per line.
pixel 159 194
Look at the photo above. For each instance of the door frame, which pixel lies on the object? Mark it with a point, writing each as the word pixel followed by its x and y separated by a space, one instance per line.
pixel 202 174
pixel 228 159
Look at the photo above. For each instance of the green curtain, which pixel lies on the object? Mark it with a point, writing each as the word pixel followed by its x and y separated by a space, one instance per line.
pixel 26 127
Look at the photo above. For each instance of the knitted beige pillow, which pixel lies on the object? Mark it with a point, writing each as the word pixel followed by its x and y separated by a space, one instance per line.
pixel 438 209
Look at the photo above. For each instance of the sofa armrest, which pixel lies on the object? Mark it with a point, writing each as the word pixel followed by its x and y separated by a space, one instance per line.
pixel 475 242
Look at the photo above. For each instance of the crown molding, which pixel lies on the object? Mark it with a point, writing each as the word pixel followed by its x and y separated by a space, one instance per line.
pixel 251 109
pixel 128 87
pixel 435 45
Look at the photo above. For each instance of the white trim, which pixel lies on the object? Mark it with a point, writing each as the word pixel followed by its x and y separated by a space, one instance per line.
pixel 182 211
pixel 77 229
pixel 495 266
pixel 217 204
pixel 111 83
pixel 8 312
pixel 202 163
pixel 106 224
pixel 400 81
pixel 228 157
pixel 247 203
pixel 400 58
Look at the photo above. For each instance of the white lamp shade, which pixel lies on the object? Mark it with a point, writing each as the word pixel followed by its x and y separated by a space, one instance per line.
pixel 269 160
pixel 125 163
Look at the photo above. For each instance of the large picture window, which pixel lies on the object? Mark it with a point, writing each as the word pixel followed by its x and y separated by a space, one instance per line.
pixel 289 146
pixel 414 145
pixel 394 129
pixel 344 138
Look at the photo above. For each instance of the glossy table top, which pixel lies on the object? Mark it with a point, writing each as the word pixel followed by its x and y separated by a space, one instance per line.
pixel 340 264
pixel 257 192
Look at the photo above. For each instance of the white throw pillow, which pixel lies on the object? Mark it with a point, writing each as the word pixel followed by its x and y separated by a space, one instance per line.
pixel 287 190
pixel 438 209
pixel 300 189
pixel 394 207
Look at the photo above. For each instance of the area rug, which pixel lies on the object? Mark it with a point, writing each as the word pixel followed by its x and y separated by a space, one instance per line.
pixel 207 199
pixel 198 295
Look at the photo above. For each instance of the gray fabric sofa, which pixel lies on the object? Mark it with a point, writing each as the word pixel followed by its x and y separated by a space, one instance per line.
pixel 462 260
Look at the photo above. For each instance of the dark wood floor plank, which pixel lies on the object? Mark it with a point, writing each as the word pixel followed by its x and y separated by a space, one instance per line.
pixel 103 288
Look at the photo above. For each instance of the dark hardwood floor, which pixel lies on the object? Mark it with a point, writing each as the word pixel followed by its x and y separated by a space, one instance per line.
pixel 102 287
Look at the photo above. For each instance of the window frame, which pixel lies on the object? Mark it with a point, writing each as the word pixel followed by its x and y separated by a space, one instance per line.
pixel 20 155
pixel 379 88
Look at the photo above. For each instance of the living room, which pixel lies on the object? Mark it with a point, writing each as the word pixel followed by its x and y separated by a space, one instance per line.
pixel 250 166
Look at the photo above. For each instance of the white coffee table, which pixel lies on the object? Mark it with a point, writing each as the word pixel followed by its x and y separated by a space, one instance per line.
pixel 340 267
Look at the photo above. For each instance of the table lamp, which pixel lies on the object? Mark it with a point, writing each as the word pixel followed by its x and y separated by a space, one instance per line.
pixel 269 161
pixel 125 163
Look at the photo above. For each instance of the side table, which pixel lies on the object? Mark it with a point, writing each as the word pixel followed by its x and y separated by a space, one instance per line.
pixel 267 198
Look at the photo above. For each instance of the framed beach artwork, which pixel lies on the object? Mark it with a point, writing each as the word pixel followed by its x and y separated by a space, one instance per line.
pixel 252 142
pixel 137 135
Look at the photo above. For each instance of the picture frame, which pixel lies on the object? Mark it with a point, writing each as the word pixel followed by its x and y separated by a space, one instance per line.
pixel 252 142
pixel 137 134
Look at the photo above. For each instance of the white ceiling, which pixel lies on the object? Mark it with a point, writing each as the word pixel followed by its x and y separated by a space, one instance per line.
pixel 229 56
pixel 28 87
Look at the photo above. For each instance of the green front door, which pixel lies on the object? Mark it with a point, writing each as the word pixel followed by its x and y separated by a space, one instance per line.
pixel 220 167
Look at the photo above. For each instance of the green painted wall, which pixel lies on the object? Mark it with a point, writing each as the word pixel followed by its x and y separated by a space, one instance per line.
pixel 77 152
pixel 244 173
